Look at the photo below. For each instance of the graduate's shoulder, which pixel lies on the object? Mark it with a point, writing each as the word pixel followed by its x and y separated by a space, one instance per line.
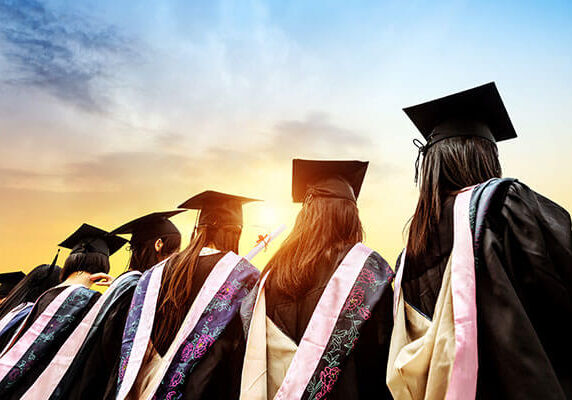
pixel 375 257
pixel 521 198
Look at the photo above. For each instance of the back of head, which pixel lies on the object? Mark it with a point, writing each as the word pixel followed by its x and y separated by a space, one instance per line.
pixel 178 277
pixel 448 166
pixel 85 262
pixel 144 255
pixel 40 279
pixel 324 227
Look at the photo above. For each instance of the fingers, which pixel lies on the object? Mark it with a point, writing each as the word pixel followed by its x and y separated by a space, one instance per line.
pixel 101 279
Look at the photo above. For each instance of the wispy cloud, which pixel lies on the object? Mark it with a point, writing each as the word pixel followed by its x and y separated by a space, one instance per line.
pixel 319 133
pixel 62 54
pixel 176 162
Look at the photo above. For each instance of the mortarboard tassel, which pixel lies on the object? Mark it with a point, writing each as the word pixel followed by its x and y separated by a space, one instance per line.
pixel 422 150
pixel 53 265
pixel 196 225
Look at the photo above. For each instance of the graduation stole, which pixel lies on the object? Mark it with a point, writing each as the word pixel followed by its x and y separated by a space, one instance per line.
pixel 50 378
pixel 216 304
pixel 346 303
pixel 14 317
pixel 43 337
pixel 438 358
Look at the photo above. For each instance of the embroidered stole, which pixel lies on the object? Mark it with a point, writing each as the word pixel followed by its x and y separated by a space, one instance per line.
pixel 346 303
pixel 50 328
pixel 216 304
pixel 437 359
pixel 48 381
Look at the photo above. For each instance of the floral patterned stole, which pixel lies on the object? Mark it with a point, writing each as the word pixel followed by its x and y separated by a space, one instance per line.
pixel 25 359
pixel 216 305
pixel 346 303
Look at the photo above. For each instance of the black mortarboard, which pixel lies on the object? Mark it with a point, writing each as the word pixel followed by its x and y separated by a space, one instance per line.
pixel 475 112
pixel 479 111
pixel 217 208
pixel 89 239
pixel 320 178
pixel 8 281
pixel 149 227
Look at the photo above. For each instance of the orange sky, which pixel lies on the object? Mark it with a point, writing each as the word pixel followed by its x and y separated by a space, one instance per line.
pixel 34 226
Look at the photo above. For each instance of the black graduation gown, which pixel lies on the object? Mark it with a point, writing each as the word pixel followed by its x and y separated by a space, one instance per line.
pixel 524 293
pixel 40 306
pixel 94 370
pixel 363 373
pixel 217 375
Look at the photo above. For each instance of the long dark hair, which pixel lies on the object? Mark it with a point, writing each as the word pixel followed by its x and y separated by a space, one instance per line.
pixel 324 227
pixel 144 255
pixel 88 262
pixel 448 166
pixel 175 293
pixel 40 279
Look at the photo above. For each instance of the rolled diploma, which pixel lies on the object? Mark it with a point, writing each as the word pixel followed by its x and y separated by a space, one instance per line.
pixel 258 248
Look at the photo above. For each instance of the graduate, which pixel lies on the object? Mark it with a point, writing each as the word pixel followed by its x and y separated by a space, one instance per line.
pixel 322 319
pixel 19 302
pixel 153 238
pixel 59 319
pixel 183 337
pixel 484 289
pixel 94 369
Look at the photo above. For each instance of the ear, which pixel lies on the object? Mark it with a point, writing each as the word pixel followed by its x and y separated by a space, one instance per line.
pixel 158 245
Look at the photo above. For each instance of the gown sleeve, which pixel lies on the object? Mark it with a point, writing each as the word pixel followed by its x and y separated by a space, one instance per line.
pixel 524 298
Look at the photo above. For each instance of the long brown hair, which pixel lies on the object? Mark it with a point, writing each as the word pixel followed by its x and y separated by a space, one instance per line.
pixel 448 166
pixel 324 227
pixel 174 296
pixel 144 255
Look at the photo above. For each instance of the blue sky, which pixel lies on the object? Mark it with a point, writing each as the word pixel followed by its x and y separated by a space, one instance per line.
pixel 114 108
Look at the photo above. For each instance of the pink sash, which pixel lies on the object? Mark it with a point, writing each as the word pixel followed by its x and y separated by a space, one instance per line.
pixel 52 375
pixel 212 284
pixel 463 384
pixel 322 323
pixel 143 333
pixel 463 380
pixel 21 346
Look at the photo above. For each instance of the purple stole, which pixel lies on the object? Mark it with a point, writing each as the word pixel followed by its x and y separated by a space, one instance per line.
pixel 463 376
pixel 27 350
pixel 346 303
pixel 14 317
pixel 216 304
pixel 47 382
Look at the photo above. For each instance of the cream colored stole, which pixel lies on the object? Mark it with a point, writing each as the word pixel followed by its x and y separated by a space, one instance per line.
pixel 269 353
pixel 152 364
pixel 438 358
pixel 422 352
pixel 280 352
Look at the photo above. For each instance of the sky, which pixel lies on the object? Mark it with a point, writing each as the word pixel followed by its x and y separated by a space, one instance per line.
pixel 113 109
